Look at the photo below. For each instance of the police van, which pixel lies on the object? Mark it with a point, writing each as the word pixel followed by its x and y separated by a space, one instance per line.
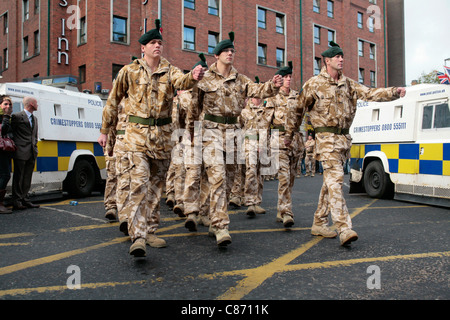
pixel 69 157
pixel 401 148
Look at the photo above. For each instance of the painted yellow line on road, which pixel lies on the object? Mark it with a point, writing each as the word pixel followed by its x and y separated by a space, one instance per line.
pixel 15 235
pixel 256 276
pixel 25 291
pixel 7 244
pixel 56 257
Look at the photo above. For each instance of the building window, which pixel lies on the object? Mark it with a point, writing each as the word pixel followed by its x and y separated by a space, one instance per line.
pixel 190 4
pixel 261 18
pixel 115 70
pixel 26 10
pixel 120 29
pixel 5 23
pixel 361 76
pixel 280 58
pixel 82 36
pixel 82 73
pixel 373 79
pixel 36 6
pixel 36 42
pixel 330 36
pixel 5 59
pixel 25 47
pixel 262 54
pixel 360 20
pixel 316 6
pixel 360 48
pixel 317 66
pixel 280 23
pixel 372 51
pixel 213 7
pixel 330 9
pixel 317 34
pixel 189 38
pixel 371 22
pixel 213 39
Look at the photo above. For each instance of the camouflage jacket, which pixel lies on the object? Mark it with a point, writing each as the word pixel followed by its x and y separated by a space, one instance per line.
pixel 146 95
pixel 256 117
pixel 333 104
pixel 225 97
pixel 282 104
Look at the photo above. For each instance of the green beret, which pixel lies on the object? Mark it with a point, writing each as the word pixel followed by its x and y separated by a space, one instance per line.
pixel 152 34
pixel 202 61
pixel 224 44
pixel 257 79
pixel 333 51
pixel 285 70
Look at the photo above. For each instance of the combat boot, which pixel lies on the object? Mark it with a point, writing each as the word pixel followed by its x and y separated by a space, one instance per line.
pixel 288 221
pixel 223 238
pixel 170 201
pixel 323 231
pixel 204 220
pixel 251 211
pixel 191 222
pixel 111 214
pixel 155 242
pixel 179 210
pixel 138 249
pixel 260 210
pixel 347 236
pixel 235 201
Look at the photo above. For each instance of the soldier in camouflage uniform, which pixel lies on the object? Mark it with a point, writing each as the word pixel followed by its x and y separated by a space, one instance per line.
pixel 310 159
pixel 218 101
pixel 256 119
pixel 288 157
pixel 331 99
pixel 148 87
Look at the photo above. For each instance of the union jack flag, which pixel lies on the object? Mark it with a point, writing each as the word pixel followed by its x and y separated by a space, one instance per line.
pixel 443 78
pixel 447 71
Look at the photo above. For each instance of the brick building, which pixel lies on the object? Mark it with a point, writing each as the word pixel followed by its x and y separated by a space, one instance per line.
pixel 85 42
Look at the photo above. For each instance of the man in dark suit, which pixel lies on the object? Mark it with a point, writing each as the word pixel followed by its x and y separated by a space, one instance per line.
pixel 25 128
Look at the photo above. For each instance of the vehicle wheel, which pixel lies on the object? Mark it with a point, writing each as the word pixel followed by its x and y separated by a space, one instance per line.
pixel 377 182
pixel 81 180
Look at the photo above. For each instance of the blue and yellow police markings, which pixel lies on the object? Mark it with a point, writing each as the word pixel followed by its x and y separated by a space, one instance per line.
pixel 55 155
pixel 409 158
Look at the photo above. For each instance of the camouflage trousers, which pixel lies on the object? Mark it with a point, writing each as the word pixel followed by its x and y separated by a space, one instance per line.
pixel 286 177
pixel 331 198
pixel 219 177
pixel 254 182
pixel 310 163
pixel 139 189
pixel 237 190
pixel 176 174
pixel 111 183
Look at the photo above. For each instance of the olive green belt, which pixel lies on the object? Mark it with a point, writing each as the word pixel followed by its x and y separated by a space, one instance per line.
pixel 278 127
pixel 335 130
pixel 150 121
pixel 221 119
pixel 118 132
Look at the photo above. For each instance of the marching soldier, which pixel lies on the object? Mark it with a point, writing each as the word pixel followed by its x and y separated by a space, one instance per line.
pixel 218 101
pixel 256 119
pixel 148 87
pixel 310 160
pixel 331 100
pixel 288 157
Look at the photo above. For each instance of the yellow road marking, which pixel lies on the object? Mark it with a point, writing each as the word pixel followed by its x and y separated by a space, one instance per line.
pixel 24 291
pixel 14 244
pixel 15 235
pixel 255 277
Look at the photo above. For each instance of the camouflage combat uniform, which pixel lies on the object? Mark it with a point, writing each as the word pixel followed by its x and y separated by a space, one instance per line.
pixel 256 120
pixel 288 158
pixel 217 103
pixel 147 141
pixel 310 158
pixel 332 108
